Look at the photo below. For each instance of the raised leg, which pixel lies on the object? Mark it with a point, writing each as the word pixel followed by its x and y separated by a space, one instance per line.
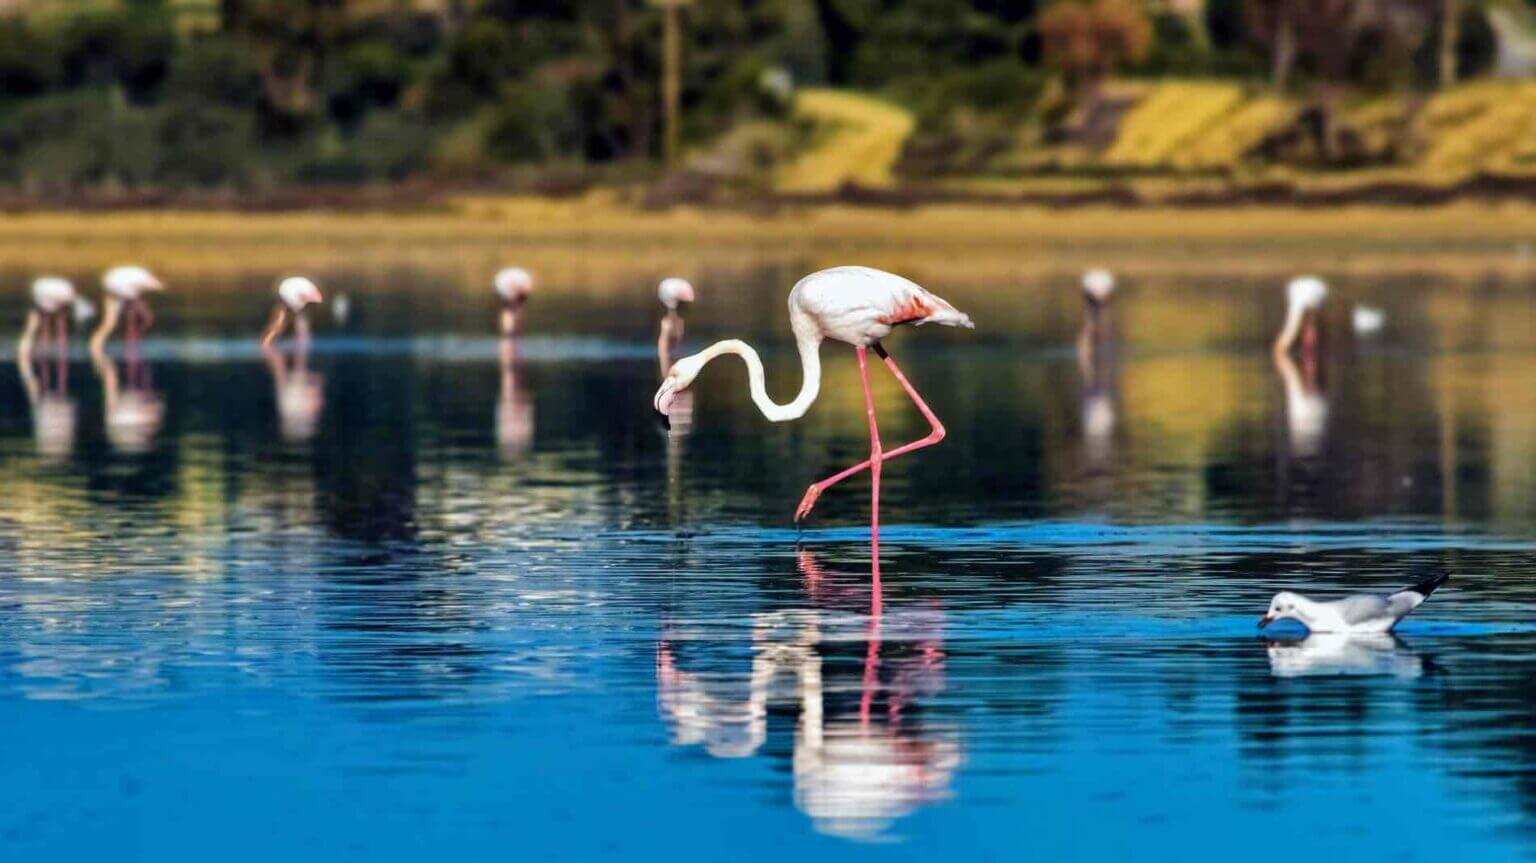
pixel 935 434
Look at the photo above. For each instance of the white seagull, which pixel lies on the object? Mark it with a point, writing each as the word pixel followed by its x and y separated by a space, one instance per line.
pixel 1358 613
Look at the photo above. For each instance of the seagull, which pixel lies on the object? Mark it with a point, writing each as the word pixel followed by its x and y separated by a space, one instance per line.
pixel 1359 613
pixel 1368 320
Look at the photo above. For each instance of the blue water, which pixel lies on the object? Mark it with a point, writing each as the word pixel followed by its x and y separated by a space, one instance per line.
pixel 404 601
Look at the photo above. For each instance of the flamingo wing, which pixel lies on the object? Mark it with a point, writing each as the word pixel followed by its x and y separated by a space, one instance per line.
pixel 860 305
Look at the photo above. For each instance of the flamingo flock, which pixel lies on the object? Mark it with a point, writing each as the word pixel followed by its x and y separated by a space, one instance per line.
pixel 857 306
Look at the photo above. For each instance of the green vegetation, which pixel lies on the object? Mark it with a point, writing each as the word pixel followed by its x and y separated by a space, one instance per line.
pixel 104 98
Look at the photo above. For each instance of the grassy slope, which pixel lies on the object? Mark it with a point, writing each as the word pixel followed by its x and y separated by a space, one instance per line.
pixel 860 139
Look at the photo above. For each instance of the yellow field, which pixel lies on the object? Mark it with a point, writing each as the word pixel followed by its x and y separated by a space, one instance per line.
pixel 596 233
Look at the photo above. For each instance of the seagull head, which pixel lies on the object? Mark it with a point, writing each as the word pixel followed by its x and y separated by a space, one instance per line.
pixel 679 379
pixel 1282 607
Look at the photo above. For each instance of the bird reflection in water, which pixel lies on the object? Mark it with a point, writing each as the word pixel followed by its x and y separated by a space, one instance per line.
pixel 514 405
pixel 1098 360
pixel 299 392
pixel 1335 654
pixel 857 766
pixel 46 381
pixel 134 411
pixel 1306 406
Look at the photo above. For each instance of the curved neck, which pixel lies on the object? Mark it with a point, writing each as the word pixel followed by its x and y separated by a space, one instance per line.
pixel 1293 319
pixel 110 312
pixel 28 337
pixel 810 385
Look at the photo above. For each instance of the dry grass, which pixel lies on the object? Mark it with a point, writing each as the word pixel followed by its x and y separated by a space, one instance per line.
pixel 860 139
pixel 597 234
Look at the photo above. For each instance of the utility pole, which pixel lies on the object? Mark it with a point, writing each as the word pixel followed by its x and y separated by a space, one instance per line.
pixel 671 75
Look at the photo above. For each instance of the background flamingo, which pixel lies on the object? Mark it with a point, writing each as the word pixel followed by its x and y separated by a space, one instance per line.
pixel 856 305
pixel 672 292
pixel 294 295
pixel 51 298
pixel 1304 298
pixel 513 285
pixel 125 288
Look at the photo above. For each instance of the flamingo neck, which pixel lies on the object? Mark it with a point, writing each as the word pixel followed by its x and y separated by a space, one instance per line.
pixel 112 308
pixel 28 337
pixel 810 366
pixel 1288 333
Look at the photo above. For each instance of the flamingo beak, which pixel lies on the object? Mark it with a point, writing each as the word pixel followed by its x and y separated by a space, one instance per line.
pixel 1266 620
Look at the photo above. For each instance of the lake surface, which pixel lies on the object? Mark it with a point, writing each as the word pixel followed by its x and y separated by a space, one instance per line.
pixel 414 598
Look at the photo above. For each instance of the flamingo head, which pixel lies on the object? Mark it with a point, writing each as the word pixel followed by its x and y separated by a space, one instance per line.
pixel 1306 293
pixel 678 380
pixel 674 291
pixel 1098 286
pixel 513 283
pixel 296 292
pixel 128 282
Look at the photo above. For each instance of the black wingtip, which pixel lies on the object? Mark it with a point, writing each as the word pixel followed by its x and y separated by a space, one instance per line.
pixel 1430 585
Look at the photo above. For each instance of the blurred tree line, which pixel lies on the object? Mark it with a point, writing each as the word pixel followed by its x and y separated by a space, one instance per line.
pixel 250 93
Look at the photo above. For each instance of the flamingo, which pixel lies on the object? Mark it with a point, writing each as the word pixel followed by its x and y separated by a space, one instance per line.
pixel 125 288
pixel 672 292
pixel 513 285
pixel 1097 360
pixel 51 296
pixel 855 305
pixel 1304 302
pixel 294 294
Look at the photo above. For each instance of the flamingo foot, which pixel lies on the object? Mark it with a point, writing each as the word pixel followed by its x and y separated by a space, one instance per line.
pixel 807 503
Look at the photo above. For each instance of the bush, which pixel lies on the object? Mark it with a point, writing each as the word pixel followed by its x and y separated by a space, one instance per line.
pixel 215 71
pixel 28 62
pixel 128 49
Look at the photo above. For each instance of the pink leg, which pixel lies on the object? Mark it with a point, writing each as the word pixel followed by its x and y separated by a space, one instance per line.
pixel 876 458
pixel 935 434
pixel 61 350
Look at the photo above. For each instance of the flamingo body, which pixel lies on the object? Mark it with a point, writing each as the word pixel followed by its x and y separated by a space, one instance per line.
pixel 51 294
pixel 861 305
pixel 130 283
pixel 513 283
pixel 297 292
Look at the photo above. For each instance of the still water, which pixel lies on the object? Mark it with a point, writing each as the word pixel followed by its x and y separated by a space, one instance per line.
pixel 414 597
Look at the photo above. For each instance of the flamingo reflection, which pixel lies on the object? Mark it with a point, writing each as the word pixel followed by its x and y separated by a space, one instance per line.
pixel 1306 406
pixel 856 770
pixel 298 391
pixel 133 410
pixel 1098 361
pixel 53 411
pixel 514 404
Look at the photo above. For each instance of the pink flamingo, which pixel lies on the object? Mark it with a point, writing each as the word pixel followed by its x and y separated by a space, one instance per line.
pixel 673 292
pixel 52 299
pixel 513 285
pixel 125 288
pixel 856 305
pixel 294 294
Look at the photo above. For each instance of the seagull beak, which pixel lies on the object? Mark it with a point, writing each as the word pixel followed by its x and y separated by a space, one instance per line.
pixel 1265 621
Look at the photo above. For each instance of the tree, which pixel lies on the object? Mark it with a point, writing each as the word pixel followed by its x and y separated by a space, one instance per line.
pixel 1088 41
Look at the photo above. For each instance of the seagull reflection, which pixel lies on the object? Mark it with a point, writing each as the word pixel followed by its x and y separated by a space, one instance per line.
pixel 514 406
pixel 53 411
pixel 1306 407
pixel 1332 654
pixel 857 767
pixel 134 411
